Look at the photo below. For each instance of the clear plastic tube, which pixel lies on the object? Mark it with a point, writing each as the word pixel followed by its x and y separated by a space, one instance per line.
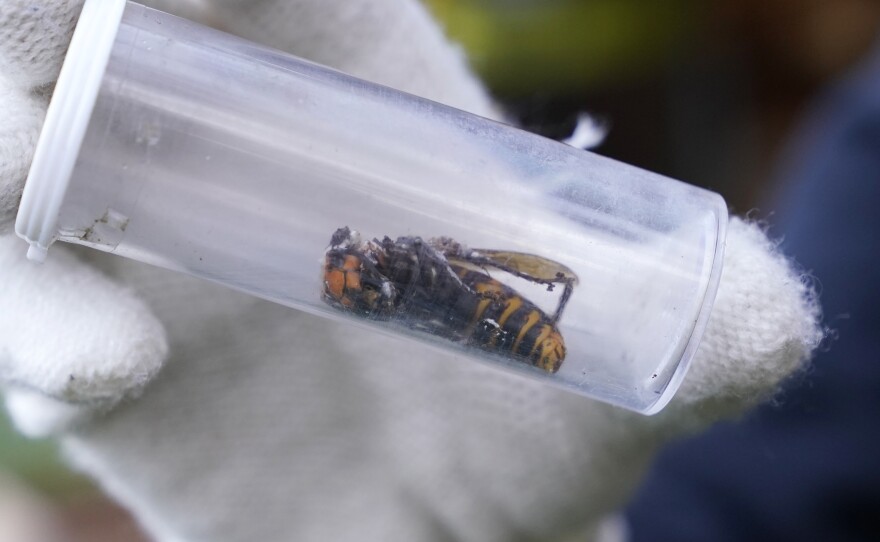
pixel 196 151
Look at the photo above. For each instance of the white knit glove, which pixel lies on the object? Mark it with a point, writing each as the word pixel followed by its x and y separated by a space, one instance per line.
pixel 268 424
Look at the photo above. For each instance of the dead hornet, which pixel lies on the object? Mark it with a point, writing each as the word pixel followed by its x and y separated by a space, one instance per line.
pixel 443 288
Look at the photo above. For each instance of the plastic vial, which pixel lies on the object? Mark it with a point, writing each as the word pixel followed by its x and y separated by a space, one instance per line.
pixel 193 150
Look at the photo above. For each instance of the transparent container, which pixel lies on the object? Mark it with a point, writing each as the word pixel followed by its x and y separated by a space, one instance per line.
pixel 193 150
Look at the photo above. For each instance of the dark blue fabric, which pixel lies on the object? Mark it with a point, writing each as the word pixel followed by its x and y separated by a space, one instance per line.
pixel 808 466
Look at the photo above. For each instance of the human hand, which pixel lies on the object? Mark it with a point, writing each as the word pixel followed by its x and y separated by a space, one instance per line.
pixel 267 423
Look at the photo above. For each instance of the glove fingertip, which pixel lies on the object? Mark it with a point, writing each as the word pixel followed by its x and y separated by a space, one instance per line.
pixel 764 327
pixel 73 333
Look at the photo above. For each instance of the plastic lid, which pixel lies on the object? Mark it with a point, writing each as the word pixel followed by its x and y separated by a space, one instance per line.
pixel 66 122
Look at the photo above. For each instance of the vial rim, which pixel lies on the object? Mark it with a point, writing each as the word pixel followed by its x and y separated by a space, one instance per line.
pixel 701 322
pixel 67 119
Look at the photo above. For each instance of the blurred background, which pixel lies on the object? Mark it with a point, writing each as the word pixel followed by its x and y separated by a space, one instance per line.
pixel 699 90
pixel 706 91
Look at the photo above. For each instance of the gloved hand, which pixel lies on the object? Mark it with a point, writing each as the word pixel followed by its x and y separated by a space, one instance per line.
pixel 268 424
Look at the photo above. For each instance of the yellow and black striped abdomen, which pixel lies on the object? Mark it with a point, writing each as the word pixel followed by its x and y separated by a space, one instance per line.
pixel 504 321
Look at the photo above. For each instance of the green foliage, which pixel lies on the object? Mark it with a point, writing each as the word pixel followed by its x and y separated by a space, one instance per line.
pixel 36 463
pixel 565 45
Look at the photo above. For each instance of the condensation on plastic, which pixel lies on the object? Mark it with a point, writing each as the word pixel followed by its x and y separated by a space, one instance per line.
pixel 225 160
